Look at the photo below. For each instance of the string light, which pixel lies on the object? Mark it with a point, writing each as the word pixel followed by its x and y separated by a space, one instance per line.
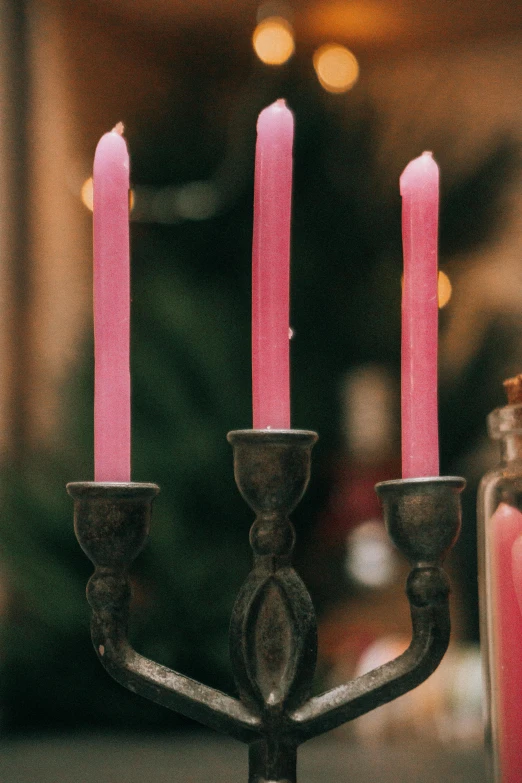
pixel 273 40
pixel 336 67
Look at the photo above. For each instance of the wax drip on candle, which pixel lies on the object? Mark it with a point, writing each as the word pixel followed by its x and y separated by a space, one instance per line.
pixel 410 173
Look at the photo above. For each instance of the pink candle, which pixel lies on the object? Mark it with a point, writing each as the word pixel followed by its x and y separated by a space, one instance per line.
pixel 111 308
pixel 505 529
pixel 420 207
pixel 271 268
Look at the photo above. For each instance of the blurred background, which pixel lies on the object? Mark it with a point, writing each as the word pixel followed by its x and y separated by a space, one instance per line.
pixel 372 84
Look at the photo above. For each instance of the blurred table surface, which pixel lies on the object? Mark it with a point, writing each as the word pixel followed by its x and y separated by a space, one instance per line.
pixel 197 758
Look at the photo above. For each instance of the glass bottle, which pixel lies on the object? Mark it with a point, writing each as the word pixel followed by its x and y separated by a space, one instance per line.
pixel 500 589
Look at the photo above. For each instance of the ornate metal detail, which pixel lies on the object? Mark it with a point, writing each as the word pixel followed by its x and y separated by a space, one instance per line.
pixel 273 642
pixel 273 633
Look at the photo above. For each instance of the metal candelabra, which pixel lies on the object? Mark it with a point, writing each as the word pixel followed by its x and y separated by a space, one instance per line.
pixel 273 632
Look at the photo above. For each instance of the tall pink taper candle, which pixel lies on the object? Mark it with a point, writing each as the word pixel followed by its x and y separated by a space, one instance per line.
pixel 420 210
pixel 111 308
pixel 271 268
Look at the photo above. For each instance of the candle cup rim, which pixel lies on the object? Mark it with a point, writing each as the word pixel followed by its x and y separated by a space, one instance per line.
pixel 283 436
pixel 111 489
pixel 457 482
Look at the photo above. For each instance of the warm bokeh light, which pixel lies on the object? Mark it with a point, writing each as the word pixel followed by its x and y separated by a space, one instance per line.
pixel 444 289
pixel 87 195
pixel 336 67
pixel 367 22
pixel 273 40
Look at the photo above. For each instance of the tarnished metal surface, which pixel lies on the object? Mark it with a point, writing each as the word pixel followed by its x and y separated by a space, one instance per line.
pixel 422 515
pixel 112 524
pixel 273 631
pixel 273 634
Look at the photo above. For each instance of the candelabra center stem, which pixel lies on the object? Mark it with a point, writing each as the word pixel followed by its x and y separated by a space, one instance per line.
pixel 273 638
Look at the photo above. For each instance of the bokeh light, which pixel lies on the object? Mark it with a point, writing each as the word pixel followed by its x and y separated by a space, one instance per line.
pixel 336 67
pixel 273 40
pixel 87 193
pixel 87 196
pixel 444 289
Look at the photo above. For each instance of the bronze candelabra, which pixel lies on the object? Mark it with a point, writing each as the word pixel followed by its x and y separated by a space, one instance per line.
pixel 273 632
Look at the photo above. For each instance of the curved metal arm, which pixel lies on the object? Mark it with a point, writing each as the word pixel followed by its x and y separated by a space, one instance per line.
pixel 110 604
pixel 423 519
pixel 428 591
pixel 112 523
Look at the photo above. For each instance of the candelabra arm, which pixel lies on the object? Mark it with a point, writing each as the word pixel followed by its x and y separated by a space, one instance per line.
pixel 111 523
pixel 423 518
pixel 168 688
pixel 430 638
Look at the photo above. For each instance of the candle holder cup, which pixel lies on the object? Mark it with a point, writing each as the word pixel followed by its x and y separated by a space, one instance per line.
pixel 273 632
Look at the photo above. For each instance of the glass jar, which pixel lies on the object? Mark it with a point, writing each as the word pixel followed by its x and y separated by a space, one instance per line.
pixel 500 586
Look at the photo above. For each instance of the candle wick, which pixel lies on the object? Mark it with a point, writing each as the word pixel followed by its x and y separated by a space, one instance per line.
pixel 281 102
pixel 428 152
pixel 119 128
